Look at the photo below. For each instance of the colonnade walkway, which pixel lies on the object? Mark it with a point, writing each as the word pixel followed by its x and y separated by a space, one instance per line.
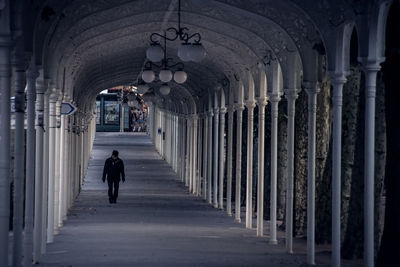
pixel 156 221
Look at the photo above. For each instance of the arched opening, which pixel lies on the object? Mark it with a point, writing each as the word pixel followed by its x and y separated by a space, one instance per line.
pixel 389 249
pixel 121 109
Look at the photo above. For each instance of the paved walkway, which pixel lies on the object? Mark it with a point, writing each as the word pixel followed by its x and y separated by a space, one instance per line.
pixel 156 222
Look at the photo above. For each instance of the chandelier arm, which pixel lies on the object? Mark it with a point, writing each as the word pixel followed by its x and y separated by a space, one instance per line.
pixel 155 34
pixel 194 35
pixel 180 64
pixel 158 66
pixel 174 31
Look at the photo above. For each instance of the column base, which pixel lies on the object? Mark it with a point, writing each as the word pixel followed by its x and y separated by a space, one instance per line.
pixel 215 206
pixel 273 242
pixel 238 220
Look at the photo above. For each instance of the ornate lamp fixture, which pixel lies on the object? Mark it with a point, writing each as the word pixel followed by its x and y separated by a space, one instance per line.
pixel 165 75
pixel 190 48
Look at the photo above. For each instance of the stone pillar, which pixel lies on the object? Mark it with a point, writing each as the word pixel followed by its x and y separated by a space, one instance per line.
pixel 199 156
pixel 249 181
pixel 229 163
pixel 62 170
pixel 312 90
pixel 57 165
pixel 5 84
pixel 30 163
pixel 194 154
pixel 262 102
pixel 205 153
pixel 210 146
pixel 221 156
pixel 52 163
pixel 337 82
pixel 19 152
pixel 370 69
pixel 291 96
pixel 274 166
pixel 38 222
pixel 215 165
pixel 45 167
pixel 188 128
pixel 239 117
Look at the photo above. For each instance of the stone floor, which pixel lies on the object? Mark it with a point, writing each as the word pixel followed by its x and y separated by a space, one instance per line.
pixel 156 222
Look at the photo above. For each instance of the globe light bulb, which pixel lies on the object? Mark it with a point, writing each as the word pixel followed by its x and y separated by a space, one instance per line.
pixel 148 76
pixel 155 53
pixel 165 75
pixel 180 76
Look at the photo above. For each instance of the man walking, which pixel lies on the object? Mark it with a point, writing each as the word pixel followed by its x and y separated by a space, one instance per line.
pixel 113 169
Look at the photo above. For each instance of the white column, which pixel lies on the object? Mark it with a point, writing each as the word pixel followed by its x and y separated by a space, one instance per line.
pixel 199 156
pixel 337 101
pixel 194 154
pixel 215 158
pixel 291 96
pixel 370 69
pixel 249 181
pixel 191 154
pixel 5 84
pixel 30 164
pixel 205 153
pixel 239 117
pixel 38 218
pixel 262 102
pixel 68 169
pixel 312 90
pixel 52 156
pixel 62 170
pixel 221 156
pixel 183 149
pixel 274 166
pixel 57 165
pixel 229 163
pixel 187 158
pixel 19 154
pixel 209 163
pixel 45 168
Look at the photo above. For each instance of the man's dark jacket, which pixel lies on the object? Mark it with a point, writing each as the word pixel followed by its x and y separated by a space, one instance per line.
pixel 114 169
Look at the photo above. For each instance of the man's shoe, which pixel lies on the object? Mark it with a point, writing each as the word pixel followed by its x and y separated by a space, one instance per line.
pixel 115 201
pixel 111 200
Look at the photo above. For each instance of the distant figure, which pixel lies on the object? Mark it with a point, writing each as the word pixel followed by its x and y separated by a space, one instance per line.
pixel 113 169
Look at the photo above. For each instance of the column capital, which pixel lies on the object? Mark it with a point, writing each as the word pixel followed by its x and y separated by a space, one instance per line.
pixel 53 95
pixel 239 106
pixel 210 113
pixel 276 97
pixel 337 77
pixel 216 111
pixel 311 87
pixel 262 101
pixel 222 110
pixel 372 65
pixel 231 108
pixel 291 94
pixel 250 104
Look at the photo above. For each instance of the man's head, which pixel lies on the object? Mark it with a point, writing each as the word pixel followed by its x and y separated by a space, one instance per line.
pixel 114 154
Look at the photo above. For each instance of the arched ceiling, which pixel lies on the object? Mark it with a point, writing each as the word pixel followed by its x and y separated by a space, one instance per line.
pixel 86 46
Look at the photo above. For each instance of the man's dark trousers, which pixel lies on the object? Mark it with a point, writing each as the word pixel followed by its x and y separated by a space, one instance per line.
pixel 113 195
